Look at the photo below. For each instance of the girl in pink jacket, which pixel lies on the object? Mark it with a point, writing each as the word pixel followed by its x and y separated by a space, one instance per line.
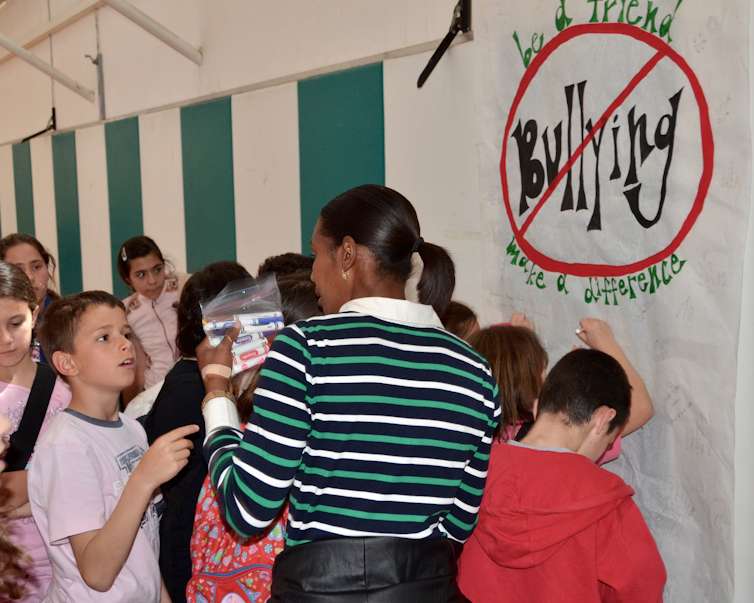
pixel 151 308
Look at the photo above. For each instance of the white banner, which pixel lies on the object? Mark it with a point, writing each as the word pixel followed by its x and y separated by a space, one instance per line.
pixel 614 151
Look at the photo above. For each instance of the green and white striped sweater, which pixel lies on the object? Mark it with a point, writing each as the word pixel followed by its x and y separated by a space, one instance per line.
pixel 382 428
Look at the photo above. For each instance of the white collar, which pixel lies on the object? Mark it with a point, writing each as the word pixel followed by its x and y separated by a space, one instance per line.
pixel 395 310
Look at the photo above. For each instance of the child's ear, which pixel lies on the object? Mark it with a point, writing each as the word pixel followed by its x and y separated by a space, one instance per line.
pixel 65 364
pixel 35 315
pixel 535 408
pixel 601 419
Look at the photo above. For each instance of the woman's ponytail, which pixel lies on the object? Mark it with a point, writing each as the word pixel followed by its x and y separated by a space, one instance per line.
pixel 438 279
pixel 385 222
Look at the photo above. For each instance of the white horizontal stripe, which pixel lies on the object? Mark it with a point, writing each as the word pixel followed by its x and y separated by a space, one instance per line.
pixel 448 534
pixel 211 434
pixel 397 421
pixel 402 498
pixel 268 393
pixel 296 329
pixel 222 450
pixel 274 437
pixel 404 347
pixel 384 458
pixel 250 519
pixel 463 506
pixel 409 383
pixel 475 472
pixel 223 475
pixel 316 525
pixel 286 360
pixel 261 476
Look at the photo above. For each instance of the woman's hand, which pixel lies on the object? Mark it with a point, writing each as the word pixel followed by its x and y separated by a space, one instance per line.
pixel 222 355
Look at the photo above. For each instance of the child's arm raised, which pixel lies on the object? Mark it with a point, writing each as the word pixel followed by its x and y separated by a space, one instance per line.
pixel 597 335
pixel 101 554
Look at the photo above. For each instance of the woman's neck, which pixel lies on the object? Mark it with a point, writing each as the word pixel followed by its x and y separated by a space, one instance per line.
pixel 21 374
pixel 386 288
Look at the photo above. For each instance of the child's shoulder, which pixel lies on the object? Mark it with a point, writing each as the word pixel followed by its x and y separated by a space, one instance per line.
pixel 553 466
pixel 174 282
pixel 64 433
pixel 70 428
pixel 132 303
pixel 134 426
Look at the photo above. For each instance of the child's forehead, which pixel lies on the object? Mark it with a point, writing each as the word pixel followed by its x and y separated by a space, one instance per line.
pixel 101 316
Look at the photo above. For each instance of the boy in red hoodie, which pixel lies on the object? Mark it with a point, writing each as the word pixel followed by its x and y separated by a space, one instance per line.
pixel 553 526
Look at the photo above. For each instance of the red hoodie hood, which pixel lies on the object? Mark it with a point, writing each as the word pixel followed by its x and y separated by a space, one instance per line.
pixel 538 499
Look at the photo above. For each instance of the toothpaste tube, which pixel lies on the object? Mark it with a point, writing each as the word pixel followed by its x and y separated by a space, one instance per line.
pixel 242 339
pixel 244 319
pixel 243 366
pixel 247 329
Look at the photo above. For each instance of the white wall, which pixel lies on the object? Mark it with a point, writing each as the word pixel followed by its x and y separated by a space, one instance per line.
pixel 743 502
pixel 242 41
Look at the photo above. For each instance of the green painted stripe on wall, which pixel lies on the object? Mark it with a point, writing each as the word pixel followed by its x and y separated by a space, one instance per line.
pixel 208 195
pixel 124 189
pixel 341 120
pixel 24 189
pixel 67 212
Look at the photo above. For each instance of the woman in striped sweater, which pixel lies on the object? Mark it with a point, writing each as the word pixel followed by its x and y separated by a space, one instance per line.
pixel 376 420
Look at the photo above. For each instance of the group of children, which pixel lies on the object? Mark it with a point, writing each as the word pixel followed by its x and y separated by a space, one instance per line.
pixel 84 509
pixel 554 526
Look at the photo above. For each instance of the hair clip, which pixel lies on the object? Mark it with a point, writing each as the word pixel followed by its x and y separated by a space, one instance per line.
pixel 123 255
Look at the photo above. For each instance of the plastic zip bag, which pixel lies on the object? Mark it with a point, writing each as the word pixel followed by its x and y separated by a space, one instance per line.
pixel 256 304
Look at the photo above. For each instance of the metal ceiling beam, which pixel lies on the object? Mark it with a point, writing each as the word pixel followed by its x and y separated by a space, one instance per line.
pixel 71 15
pixel 145 21
pixel 35 61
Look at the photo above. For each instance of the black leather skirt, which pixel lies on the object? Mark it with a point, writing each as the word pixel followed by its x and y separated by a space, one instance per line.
pixel 377 570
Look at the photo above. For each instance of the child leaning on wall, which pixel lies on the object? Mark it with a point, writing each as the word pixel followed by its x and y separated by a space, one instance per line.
pixel 553 526
pixel 92 481
pixel 519 363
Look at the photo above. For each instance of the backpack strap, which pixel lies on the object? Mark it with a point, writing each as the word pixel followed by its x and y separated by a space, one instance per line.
pixel 25 437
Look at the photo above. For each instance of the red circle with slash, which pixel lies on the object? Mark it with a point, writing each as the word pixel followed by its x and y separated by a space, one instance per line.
pixel 708 149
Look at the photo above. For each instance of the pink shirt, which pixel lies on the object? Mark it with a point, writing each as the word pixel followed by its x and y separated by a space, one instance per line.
pixel 24 532
pixel 155 324
pixel 78 473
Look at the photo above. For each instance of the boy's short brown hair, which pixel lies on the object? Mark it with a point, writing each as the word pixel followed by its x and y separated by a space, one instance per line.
pixel 581 382
pixel 63 318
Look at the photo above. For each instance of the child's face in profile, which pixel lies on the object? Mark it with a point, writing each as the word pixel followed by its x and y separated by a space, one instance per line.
pixel 103 352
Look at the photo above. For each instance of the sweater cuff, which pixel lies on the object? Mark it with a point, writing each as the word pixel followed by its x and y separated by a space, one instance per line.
pixel 220 412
